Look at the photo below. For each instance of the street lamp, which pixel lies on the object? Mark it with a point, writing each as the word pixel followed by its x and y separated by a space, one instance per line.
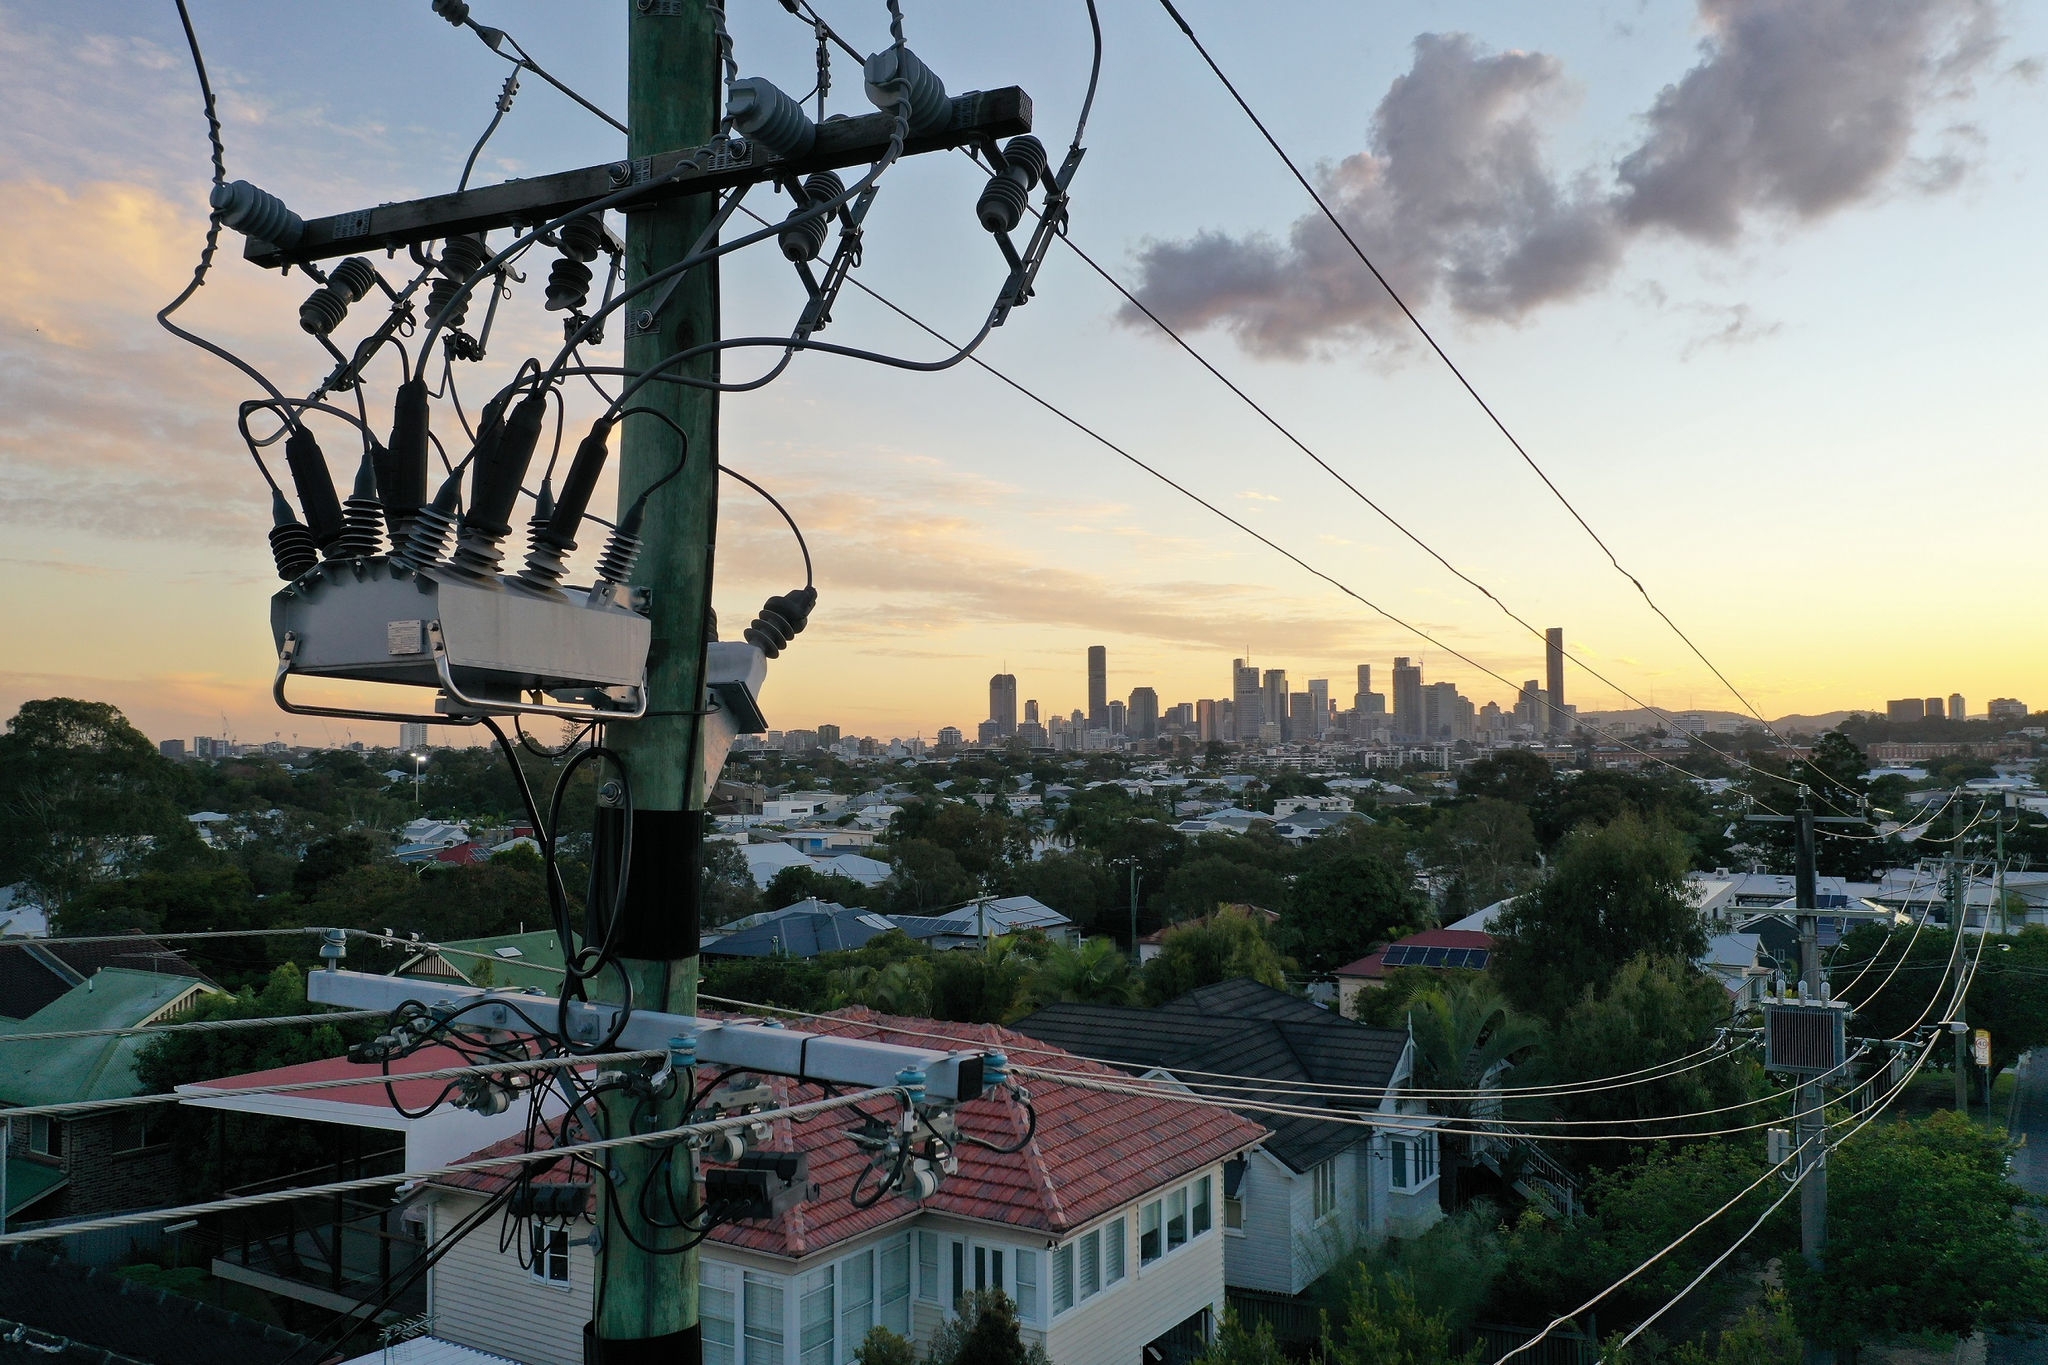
pixel 417 760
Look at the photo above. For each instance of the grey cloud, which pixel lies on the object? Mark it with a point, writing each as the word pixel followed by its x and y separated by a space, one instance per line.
pixel 1796 107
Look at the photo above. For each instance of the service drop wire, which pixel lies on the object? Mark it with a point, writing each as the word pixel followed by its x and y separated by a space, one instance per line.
pixel 776 503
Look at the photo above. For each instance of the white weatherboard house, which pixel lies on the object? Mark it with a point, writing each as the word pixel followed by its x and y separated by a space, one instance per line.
pixel 1106 1229
pixel 1314 1188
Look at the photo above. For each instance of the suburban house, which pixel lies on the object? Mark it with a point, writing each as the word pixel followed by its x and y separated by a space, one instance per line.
pixel 814 926
pixel 510 961
pixel 1743 966
pixel 99 1162
pixel 973 924
pixel 1105 1229
pixel 1313 1188
pixel 1438 949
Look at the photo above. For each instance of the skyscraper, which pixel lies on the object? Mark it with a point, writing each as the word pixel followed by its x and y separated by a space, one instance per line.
pixel 1117 719
pixel 1098 688
pixel 1532 708
pixel 1956 709
pixel 1553 653
pixel 1002 703
pixel 1273 701
pixel 1364 687
pixel 1142 719
pixel 1439 710
pixel 1031 713
pixel 1301 721
pixel 1937 709
pixel 1207 725
pixel 1318 707
pixel 1248 710
pixel 1408 721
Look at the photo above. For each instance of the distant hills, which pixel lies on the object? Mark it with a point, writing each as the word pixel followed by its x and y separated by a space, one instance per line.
pixel 1721 721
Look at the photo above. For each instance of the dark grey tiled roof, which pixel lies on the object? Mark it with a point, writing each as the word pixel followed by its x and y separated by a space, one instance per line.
pixel 88 1314
pixel 1240 1028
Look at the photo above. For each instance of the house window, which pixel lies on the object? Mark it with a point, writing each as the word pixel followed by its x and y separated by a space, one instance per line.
pixel 1199 1211
pixel 1177 1219
pixel 928 1266
pixel 1425 1157
pixel 130 1130
pixel 1323 1189
pixel 815 1297
pixel 959 1274
pixel 1233 1214
pixel 715 1301
pixel 45 1135
pixel 1399 1163
pixel 763 1307
pixel 857 1300
pixel 1150 1241
pixel 988 1269
pixel 1113 1250
pixel 895 1286
pixel 1062 1278
pixel 550 1254
pixel 1027 1286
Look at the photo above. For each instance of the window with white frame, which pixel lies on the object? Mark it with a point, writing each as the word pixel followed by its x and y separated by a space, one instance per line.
pixel 1113 1250
pixel 1151 1232
pixel 45 1135
pixel 1200 1195
pixel 1397 1163
pixel 1323 1189
pixel 815 1296
pixel 1177 1219
pixel 1026 1296
pixel 1413 1160
pixel 762 1319
pixel 550 1253
pixel 1088 1264
pixel 1062 1278
pixel 892 1275
pixel 717 1300
pixel 856 1301
pixel 928 1266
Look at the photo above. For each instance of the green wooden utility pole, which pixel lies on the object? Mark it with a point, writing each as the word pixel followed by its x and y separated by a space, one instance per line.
pixel 647 1299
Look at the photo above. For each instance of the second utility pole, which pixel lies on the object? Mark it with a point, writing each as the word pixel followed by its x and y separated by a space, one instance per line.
pixel 647 1303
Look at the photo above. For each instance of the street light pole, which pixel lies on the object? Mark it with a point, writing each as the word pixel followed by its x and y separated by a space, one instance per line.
pixel 417 760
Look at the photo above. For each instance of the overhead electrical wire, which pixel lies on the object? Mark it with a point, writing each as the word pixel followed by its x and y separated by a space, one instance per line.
pixel 1351 241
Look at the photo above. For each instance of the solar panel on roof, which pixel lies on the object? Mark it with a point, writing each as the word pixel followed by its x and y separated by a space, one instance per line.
pixel 1480 957
pixel 1434 957
pixel 1454 957
pixel 1398 956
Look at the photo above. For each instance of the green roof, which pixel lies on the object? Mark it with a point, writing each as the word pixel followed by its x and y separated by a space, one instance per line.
pixel 535 961
pixel 61 1070
pixel 28 1181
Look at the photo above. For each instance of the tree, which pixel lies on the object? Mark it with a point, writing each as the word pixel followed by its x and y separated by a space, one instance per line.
pixel 1348 899
pixel 1198 886
pixel 1096 973
pixel 1465 1034
pixel 211 895
pixel 1655 1011
pixel 328 858
pixel 1227 945
pixel 1235 1345
pixel 981 987
pixel 1613 894
pixel 883 1347
pixel 1383 1325
pixel 984 1332
pixel 1079 886
pixel 84 798
pixel 902 988
pixel 800 882
pixel 1515 776
pixel 926 879
pixel 727 888
pixel 1922 1237
pixel 1486 848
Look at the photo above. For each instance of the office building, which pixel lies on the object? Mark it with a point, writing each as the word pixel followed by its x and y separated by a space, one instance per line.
pixel 1301 720
pixel 412 735
pixel 1439 706
pixel 1032 733
pixel 828 736
pixel 2007 708
pixel 1408 723
pixel 1364 688
pixel 949 736
pixel 1179 717
pixel 1247 711
pixel 1905 709
pixel 1208 727
pixel 1318 707
pixel 171 748
pixel 1098 687
pixel 1553 654
pixel 1141 720
pixel 1002 703
pixel 1273 702
pixel 1532 708
pixel 1031 713
pixel 1115 717
pixel 1937 709
pixel 1956 709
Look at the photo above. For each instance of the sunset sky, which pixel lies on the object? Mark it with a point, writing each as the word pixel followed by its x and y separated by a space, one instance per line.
pixel 1759 285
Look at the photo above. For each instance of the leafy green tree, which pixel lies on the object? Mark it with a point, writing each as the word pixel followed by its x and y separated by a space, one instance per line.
pixel 981 842
pixel 85 798
pixel 1923 1236
pixel 727 886
pixel 328 858
pixel 212 895
pixel 1078 885
pixel 1486 848
pixel 982 987
pixel 1096 973
pixel 1465 1034
pixel 1515 776
pixel 798 882
pixel 1235 1344
pixel 1613 893
pixel 1761 1336
pixel 1656 1010
pixel 1383 1325
pixel 1226 945
pixel 1198 886
pixel 883 1347
pixel 903 987
pixel 926 879
pixel 1348 899
pixel 983 1332
pixel 438 901
pixel 1387 1005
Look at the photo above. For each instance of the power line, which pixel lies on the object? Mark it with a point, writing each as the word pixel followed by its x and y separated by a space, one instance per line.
pixel 197 1026
pixel 1459 374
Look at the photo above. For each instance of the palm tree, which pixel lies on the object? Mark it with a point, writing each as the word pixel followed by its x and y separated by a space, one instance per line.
pixel 1464 1033
pixel 1096 973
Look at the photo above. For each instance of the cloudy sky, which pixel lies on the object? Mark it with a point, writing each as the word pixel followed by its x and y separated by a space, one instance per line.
pixel 1758 284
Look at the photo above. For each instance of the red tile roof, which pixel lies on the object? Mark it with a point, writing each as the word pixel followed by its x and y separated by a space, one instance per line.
pixel 1370 966
pixel 414 1095
pixel 1093 1151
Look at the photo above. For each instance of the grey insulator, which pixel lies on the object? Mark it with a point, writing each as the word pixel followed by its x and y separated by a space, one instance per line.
pixel 621 552
pixel 897 79
pixel 582 237
pixel 460 258
pixel 428 540
pixel 362 515
pixel 257 213
pixel 568 285
pixel 803 241
pixel 478 553
pixel 765 113
pixel 1008 192
pixel 291 544
pixel 325 308
pixel 455 12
